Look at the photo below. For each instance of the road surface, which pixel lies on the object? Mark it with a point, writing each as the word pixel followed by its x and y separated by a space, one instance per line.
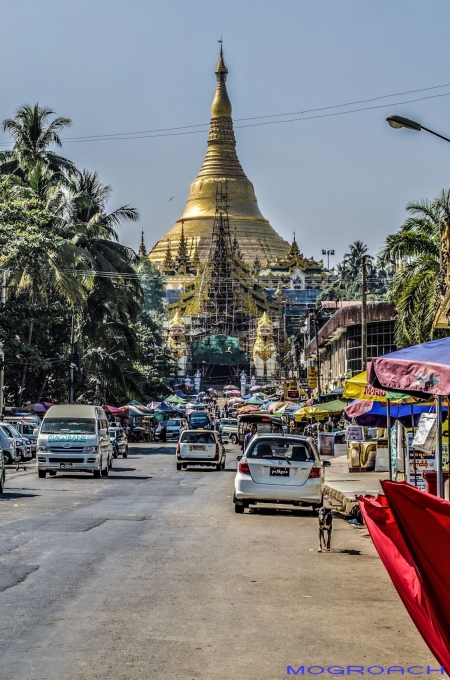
pixel 149 573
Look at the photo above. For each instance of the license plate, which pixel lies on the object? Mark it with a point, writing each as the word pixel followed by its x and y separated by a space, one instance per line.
pixel 65 466
pixel 197 447
pixel 279 472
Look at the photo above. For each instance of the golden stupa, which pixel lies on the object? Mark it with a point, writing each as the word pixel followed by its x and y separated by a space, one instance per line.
pixel 221 171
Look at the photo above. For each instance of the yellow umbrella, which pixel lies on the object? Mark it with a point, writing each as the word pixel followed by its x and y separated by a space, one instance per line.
pixel 358 388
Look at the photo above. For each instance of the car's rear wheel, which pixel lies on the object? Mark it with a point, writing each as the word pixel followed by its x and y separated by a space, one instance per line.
pixel 179 466
pixel 239 509
pixel 97 474
pixel 233 439
pixel 2 482
pixel 7 457
pixel 42 474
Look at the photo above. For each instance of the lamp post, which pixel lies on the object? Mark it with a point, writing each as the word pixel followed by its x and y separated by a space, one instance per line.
pixel 328 253
pixel 397 122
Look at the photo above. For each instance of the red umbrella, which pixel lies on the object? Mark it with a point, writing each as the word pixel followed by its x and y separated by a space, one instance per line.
pixel 234 393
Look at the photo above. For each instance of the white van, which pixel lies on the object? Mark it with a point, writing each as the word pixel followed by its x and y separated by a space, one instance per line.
pixel 74 437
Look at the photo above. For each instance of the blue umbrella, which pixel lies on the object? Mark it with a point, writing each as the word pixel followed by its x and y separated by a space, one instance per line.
pixel 374 413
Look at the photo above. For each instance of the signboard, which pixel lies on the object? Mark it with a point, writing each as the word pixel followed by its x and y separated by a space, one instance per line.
pixel 293 394
pixel 355 433
pixel 419 462
pixel 312 376
pixel 325 443
pixel 426 433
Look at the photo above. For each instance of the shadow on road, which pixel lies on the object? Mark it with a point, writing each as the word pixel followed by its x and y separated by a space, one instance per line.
pixel 291 512
pixel 347 552
pixel 11 496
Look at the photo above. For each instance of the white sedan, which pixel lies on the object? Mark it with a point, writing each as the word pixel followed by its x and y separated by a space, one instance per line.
pixel 280 469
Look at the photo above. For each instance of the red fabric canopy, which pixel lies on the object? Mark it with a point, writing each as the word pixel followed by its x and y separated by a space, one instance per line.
pixel 411 532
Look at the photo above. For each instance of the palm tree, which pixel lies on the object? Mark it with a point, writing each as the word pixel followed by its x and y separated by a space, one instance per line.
pixel 353 259
pixel 415 251
pixel 33 133
pixel 116 298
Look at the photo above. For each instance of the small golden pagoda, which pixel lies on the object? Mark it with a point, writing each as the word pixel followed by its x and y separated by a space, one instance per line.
pixel 255 235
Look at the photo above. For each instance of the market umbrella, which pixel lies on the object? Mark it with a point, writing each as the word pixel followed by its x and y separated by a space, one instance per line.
pixel 358 387
pixel 255 388
pixel 247 409
pixel 113 410
pixel 234 393
pixel 42 407
pixel 320 410
pixel 230 387
pixel 153 405
pixel 373 414
pixel 255 401
pixel 422 368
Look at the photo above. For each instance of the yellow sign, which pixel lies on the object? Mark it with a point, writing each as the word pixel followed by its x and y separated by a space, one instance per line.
pixel 312 376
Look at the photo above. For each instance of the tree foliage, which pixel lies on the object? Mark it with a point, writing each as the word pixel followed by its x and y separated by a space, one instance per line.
pixel 77 298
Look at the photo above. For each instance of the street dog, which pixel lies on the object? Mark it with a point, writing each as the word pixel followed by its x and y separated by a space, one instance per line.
pixel 325 529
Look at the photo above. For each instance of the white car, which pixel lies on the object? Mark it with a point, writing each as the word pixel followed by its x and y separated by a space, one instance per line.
pixel 200 447
pixel 278 468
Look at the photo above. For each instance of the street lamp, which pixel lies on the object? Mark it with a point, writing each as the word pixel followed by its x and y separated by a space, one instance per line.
pixel 328 253
pixel 400 122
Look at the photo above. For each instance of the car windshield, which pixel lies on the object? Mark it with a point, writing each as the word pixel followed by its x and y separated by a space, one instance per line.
pixel 280 448
pixel 12 430
pixel 198 438
pixel 28 429
pixel 173 423
pixel 68 426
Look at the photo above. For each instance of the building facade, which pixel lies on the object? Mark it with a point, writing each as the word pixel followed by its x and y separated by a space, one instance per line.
pixel 340 340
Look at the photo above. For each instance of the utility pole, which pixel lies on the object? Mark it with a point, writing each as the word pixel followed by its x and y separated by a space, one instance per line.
pixel 72 360
pixel 364 316
pixel 2 354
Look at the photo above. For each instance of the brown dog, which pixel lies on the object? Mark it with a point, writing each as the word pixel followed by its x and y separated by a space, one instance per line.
pixel 325 529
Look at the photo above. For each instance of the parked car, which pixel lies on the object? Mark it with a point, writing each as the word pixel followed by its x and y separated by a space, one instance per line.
pixel 200 448
pixel 9 446
pixel 173 428
pixel 119 441
pixel 23 446
pixel 281 469
pixel 228 428
pixel 2 471
pixel 26 429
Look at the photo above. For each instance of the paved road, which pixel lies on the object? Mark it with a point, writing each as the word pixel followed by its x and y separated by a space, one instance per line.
pixel 149 574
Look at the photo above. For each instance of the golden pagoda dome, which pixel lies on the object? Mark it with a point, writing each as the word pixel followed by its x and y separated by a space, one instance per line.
pixel 221 171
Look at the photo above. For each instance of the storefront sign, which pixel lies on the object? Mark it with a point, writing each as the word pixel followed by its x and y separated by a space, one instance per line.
pixel 355 433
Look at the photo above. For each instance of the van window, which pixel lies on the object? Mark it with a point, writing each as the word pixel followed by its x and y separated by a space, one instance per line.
pixel 68 426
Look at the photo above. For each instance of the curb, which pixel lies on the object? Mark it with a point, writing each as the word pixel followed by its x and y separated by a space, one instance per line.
pixel 344 500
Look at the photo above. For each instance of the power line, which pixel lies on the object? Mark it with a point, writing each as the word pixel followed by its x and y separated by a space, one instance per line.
pixel 187 129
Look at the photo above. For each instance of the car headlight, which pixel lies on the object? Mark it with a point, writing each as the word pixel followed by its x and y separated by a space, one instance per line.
pixel 43 449
pixel 90 449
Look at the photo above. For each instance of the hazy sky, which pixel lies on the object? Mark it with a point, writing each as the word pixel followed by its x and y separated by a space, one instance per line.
pixel 117 66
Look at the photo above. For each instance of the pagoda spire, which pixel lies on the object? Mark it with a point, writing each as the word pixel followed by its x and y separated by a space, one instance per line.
pixel 293 251
pixel 182 259
pixel 142 249
pixel 196 259
pixel 168 264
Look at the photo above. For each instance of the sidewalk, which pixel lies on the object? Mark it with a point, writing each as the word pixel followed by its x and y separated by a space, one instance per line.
pixel 343 485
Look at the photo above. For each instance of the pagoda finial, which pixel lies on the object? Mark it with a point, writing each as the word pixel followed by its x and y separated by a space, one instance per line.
pixel 142 248
pixel 221 70
pixel 221 106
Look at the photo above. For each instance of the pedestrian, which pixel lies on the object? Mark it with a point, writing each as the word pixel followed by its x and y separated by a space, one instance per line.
pixel 250 434
pixel 163 434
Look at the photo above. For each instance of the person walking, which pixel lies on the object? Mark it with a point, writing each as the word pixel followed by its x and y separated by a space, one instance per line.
pixel 249 436
pixel 163 434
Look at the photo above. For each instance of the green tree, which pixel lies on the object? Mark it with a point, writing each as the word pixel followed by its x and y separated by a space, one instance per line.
pixel 33 133
pixel 414 251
